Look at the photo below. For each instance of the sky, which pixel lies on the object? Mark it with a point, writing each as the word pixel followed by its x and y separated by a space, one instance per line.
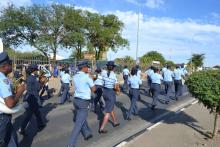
pixel 175 28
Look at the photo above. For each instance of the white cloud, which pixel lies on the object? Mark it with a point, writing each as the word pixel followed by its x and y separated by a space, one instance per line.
pixel 175 39
pixel 5 3
pixel 154 3
pixel 87 9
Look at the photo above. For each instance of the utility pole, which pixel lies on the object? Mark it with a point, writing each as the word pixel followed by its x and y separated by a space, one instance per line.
pixel 138 25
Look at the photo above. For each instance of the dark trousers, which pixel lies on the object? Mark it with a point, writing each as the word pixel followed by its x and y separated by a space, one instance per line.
pixel 65 96
pixel 149 82
pixel 168 89
pixel 33 108
pixel 133 93
pixel 8 137
pixel 98 96
pixel 61 88
pixel 155 88
pixel 125 85
pixel 81 124
pixel 178 87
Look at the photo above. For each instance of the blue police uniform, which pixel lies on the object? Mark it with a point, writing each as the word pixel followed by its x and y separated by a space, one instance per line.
pixel 168 82
pixel 46 85
pixel 32 97
pixel 134 92
pixel 155 87
pixel 8 135
pixel 109 94
pixel 177 74
pixel 82 95
pixel 125 73
pixel 61 83
pixel 66 79
pixel 99 85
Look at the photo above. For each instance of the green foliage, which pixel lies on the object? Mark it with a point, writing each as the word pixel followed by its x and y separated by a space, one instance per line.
pixel 127 60
pixel 205 86
pixel 197 60
pixel 147 58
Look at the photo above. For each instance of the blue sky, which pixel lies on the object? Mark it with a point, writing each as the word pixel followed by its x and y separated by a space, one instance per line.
pixel 175 28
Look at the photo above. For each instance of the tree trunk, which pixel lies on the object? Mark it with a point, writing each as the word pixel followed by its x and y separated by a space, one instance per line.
pixel 215 130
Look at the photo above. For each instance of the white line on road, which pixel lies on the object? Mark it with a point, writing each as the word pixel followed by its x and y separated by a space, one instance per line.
pixel 122 144
pixel 155 125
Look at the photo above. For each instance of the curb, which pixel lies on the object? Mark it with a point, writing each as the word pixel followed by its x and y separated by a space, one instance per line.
pixel 156 122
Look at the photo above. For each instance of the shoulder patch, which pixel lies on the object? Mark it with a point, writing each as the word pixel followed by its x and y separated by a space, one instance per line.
pixel 6 81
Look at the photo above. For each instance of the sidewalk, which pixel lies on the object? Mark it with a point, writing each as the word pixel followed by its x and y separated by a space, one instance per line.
pixel 189 128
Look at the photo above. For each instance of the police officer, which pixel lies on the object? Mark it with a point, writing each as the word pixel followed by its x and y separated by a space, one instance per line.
pixel 46 85
pixel 109 95
pixel 8 137
pixel 99 85
pixel 125 74
pixel 134 82
pixel 178 74
pixel 82 95
pixel 149 72
pixel 168 82
pixel 62 72
pixel 155 86
pixel 66 81
pixel 32 96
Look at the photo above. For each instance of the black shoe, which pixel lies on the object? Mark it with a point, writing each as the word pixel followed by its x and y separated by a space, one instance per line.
pixel 41 127
pixel 116 125
pixel 153 107
pixel 167 102
pixel 22 132
pixel 102 131
pixel 128 118
pixel 88 137
pixel 176 98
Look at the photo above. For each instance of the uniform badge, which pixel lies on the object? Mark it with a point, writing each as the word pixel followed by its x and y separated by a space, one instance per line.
pixel 6 81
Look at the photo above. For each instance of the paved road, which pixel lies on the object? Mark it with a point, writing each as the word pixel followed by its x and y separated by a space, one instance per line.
pixel 60 122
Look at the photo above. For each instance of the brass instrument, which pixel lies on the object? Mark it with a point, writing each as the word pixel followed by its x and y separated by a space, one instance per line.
pixel 17 82
pixel 42 78
pixel 117 89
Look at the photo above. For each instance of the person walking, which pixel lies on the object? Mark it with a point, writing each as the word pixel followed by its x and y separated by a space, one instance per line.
pixel 82 95
pixel 8 137
pixel 134 83
pixel 109 95
pixel 155 87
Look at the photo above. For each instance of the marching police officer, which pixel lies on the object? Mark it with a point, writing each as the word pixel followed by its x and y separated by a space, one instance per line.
pixel 62 72
pixel 32 96
pixel 99 85
pixel 66 81
pixel 155 86
pixel 8 137
pixel 82 95
pixel 46 85
pixel 109 95
pixel 178 74
pixel 125 73
pixel 149 72
pixel 134 82
pixel 168 82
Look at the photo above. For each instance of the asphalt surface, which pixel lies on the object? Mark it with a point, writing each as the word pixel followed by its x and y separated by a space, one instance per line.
pixel 60 122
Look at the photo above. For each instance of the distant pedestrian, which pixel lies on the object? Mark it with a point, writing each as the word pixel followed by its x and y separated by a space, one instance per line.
pixel 134 83
pixel 155 87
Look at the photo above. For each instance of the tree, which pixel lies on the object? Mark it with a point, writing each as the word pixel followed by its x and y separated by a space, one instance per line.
pixel 104 33
pixel 147 58
pixel 74 23
pixel 205 86
pixel 127 60
pixel 197 60
pixel 37 26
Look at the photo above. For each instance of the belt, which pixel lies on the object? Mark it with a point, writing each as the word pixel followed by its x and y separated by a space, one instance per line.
pixel 135 88
pixel 156 83
pixel 80 99
pixel 108 88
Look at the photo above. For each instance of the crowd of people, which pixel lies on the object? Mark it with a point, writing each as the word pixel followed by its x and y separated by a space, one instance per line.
pixel 88 88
